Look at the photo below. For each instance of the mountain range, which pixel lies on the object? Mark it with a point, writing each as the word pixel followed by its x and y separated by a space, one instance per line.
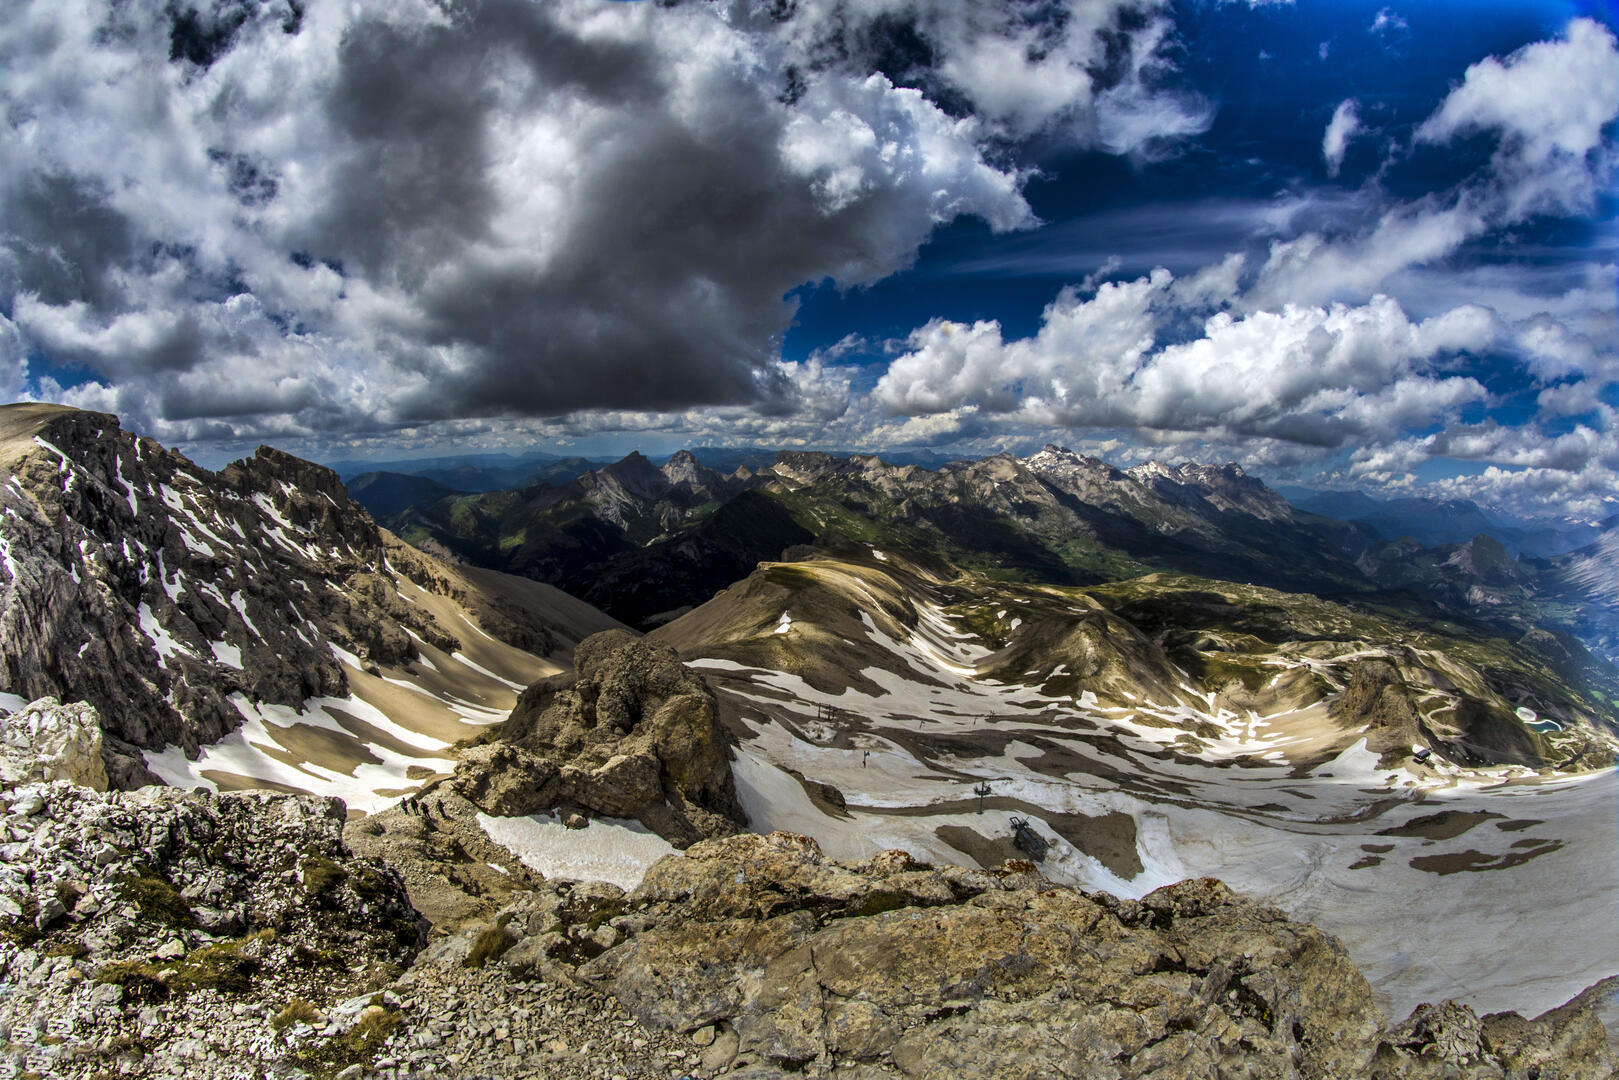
pixel 1036 696
pixel 1436 522
pixel 647 543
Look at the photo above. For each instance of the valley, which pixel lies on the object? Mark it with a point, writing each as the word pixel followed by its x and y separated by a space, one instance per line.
pixel 870 716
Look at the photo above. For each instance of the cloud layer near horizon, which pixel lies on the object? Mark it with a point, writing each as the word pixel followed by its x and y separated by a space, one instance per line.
pixel 254 219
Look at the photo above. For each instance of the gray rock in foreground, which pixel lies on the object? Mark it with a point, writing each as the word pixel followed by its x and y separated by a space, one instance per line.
pixel 140 930
pixel 46 740
pixel 171 934
pixel 790 962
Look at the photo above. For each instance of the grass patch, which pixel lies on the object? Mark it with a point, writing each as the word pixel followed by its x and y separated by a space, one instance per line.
pixel 790 576
pixel 491 944
pixel 982 622
pixel 224 966
pixel 21 931
pixel 316 957
pixel 298 1011
pixel 357 1046
pixel 75 949
pixel 157 900
pixel 1217 672
pixel 321 877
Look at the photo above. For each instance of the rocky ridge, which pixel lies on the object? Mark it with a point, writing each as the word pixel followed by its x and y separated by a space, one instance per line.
pixel 1056 517
pixel 197 936
pixel 775 961
pixel 166 595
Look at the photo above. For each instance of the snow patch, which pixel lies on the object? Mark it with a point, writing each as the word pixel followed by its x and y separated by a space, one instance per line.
pixel 5 557
pixel 240 605
pixel 255 752
pixel 608 849
pixel 461 658
pixel 164 642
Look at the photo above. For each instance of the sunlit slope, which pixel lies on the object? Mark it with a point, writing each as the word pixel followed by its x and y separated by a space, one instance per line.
pixel 1167 727
pixel 848 625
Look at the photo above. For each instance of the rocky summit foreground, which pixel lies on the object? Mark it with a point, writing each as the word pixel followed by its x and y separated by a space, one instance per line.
pixel 161 933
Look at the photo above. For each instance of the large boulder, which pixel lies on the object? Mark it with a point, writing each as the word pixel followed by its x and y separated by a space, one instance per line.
pixel 46 740
pixel 632 733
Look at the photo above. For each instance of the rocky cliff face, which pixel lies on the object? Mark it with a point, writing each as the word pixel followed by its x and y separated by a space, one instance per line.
pixel 633 733
pixel 169 596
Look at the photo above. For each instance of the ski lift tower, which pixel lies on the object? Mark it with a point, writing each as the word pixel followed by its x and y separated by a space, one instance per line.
pixel 982 790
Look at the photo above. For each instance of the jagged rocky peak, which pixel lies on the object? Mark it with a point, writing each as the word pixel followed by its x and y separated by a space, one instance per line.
pixel 1224 488
pixel 636 475
pixel 1054 459
pixel 685 473
pixel 808 466
pixel 168 596
pixel 683 467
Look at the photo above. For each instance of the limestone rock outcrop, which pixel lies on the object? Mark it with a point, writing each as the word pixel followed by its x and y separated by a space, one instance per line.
pixel 46 740
pixel 172 933
pixel 780 960
pixel 631 733
pixel 100 873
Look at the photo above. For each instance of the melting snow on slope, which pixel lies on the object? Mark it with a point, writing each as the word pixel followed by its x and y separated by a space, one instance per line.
pixel 461 657
pixel 161 639
pixel 608 849
pixel 253 752
pixel 5 557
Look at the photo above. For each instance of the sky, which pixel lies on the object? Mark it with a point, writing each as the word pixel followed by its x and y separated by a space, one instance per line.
pixel 1345 244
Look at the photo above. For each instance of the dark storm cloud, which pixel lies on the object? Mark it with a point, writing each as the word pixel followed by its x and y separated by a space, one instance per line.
pixel 60 238
pixel 422 211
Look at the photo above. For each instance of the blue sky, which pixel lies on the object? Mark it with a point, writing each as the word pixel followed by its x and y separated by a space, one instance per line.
pixel 1345 244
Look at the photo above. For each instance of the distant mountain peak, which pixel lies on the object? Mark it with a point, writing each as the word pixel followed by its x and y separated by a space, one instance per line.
pixel 632 460
pixel 1147 471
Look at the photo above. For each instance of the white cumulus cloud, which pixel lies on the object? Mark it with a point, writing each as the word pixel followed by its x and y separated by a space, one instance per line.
pixel 1344 125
